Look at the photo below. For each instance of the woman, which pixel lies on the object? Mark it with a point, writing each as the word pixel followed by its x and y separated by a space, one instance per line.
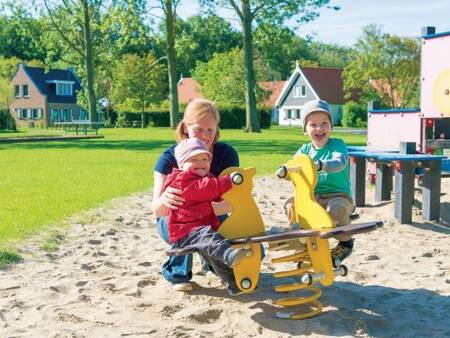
pixel 201 120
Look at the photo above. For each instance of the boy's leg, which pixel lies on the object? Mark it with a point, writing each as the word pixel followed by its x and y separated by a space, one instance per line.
pixel 177 269
pixel 340 208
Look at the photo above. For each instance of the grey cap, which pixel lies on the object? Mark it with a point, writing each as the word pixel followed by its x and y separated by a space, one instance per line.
pixel 316 106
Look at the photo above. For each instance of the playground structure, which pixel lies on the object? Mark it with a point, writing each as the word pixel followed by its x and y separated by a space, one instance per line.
pixel 429 125
pixel 410 142
pixel 308 246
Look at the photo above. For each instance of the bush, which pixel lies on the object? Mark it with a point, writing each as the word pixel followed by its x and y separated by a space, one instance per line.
pixel 232 117
pixel 7 121
pixel 355 115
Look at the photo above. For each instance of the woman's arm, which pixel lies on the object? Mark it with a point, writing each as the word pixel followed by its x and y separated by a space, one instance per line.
pixel 164 200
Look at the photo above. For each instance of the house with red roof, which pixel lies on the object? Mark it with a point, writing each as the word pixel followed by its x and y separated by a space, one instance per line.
pixel 188 89
pixel 308 83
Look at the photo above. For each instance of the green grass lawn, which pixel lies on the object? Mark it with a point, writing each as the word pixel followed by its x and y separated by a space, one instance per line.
pixel 42 183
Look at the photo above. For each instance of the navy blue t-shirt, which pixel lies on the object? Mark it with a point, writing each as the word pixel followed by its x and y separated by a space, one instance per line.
pixel 224 156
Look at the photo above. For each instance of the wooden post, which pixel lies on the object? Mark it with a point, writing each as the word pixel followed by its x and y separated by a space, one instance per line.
pixel 404 191
pixel 431 191
pixel 358 180
pixel 383 182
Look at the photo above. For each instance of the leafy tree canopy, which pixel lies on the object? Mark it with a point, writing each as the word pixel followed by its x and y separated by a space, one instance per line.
pixel 384 67
pixel 221 78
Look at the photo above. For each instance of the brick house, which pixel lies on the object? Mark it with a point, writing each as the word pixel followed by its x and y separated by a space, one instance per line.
pixel 42 98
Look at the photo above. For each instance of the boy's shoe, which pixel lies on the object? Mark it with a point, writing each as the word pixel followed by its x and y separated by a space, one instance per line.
pixel 340 252
pixel 239 255
pixel 182 286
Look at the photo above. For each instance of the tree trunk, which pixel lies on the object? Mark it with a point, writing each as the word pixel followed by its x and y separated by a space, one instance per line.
pixel 171 61
pixel 252 123
pixel 89 64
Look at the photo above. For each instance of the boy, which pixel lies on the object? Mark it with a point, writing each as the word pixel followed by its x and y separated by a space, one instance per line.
pixel 330 156
pixel 194 224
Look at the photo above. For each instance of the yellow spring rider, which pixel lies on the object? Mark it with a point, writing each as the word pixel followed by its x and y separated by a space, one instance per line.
pixel 311 251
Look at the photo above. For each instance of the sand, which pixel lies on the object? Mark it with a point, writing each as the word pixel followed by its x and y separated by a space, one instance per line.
pixel 105 281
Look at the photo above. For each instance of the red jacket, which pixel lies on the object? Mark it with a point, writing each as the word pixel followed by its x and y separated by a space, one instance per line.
pixel 197 210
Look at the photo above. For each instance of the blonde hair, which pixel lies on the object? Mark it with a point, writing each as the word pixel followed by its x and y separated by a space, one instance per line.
pixel 194 112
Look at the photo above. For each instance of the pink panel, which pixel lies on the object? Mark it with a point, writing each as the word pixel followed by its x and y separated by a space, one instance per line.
pixel 435 58
pixel 386 131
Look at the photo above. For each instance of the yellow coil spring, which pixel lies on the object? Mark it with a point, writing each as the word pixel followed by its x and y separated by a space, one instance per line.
pixel 309 301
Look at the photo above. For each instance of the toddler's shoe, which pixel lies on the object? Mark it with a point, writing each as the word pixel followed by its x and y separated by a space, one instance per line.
pixel 238 255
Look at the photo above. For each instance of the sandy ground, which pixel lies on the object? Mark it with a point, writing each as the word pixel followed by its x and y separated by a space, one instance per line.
pixel 105 281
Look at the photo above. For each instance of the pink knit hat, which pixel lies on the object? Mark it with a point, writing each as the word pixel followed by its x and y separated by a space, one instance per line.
pixel 190 147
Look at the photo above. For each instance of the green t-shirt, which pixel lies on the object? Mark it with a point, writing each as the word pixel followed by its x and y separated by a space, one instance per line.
pixel 329 182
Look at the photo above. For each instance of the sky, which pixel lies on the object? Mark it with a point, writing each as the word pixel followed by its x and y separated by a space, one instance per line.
pixel 397 17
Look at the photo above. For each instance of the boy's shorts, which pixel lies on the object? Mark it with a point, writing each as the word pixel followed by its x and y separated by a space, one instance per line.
pixel 338 205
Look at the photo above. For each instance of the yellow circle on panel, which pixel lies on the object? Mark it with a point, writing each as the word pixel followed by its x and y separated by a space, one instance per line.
pixel 441 92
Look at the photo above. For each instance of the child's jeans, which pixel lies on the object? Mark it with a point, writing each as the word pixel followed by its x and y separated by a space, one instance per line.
pixel 215 250
pixel 176 269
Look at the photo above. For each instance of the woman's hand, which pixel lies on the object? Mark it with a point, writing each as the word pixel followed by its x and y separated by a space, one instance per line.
pixel 171 198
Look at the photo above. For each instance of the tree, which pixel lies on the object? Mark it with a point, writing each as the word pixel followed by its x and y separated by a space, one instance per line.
pixel 169 8
pixel 221 78
pixel 330 55
pixel 137 83
pixel 77 24
pixel 280 48
pixel 200 37
pixel 385 67
pixel 257 12
pixel 20 33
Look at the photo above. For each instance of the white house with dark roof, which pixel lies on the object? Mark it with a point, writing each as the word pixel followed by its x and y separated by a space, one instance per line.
pixel 42 98
pixel 308 83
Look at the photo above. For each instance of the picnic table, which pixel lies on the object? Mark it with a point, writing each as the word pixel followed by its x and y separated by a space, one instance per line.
pixel 404 165
pixel 79 126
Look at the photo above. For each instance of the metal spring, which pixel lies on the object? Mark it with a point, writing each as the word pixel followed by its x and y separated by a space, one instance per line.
pixel 309 301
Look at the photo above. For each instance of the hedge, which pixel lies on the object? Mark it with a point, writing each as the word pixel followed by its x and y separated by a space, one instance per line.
pixel 6 120
pixel 231 117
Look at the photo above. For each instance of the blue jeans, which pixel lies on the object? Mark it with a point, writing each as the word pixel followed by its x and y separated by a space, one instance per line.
pixel 177 269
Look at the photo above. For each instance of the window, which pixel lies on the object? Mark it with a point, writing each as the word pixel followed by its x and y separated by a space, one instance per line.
pixel 54 115
pixel 289 113
pixel 297 113
pixel 66 115
pixel 63 89
pixel 25 91
pixel 25 113
pixel 296 91
pixel 18 113
pixel 303 91
pixel 17 91
pixel 36 113
pixel 83 115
